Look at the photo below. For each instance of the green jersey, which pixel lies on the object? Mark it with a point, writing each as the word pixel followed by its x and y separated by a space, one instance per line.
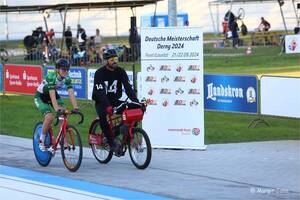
pixel 51 82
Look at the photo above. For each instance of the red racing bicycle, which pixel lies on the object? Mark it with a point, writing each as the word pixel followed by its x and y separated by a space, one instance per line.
pixel 124 128
pixel 68 138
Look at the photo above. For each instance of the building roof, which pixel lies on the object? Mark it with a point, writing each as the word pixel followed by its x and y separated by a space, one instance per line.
pixel 70 6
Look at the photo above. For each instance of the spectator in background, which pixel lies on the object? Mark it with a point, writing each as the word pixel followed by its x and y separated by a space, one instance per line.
pixel 135 43
pixel 68 35
pixel 98 41
pixel 78 28
pixel 229 17
pixel 39 34
pixel 50 36
pixel 235 36
pixel 81 39
pixel 50 44
pixel 264 25
pixel 98 38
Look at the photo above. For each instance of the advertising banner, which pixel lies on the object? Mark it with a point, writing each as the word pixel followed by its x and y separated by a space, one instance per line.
pixel 280 96
pixel 172 81
pixel 23 79
pixel 231 93
pixel 78 76
pixel 292 43
pixel 1 78
pixel 91 73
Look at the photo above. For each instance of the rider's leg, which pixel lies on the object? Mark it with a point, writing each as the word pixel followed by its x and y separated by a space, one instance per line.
pixel 101 112
pixel 45 109
pixel 46 125
pixel 61 104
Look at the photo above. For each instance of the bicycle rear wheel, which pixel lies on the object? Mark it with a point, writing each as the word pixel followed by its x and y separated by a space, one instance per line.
pixel 43 157
pixel 71 149
pixel 140 149
pixel 102 152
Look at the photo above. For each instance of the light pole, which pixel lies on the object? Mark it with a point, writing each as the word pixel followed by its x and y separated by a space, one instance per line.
pixel 172 12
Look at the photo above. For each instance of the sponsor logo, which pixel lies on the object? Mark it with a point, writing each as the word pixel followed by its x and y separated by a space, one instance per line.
pixel 194 91
pixel 151 102
pixel 179 79
pixel 196 131
pixel 194 103
pixel 150 68
pixel 165 68
pixel 165 79
pixel 151 79
pixel 293 45
pixel 180 102
pixel 223 91
pixel 150 91
pixel 179 91
pixel 165 103
pixel 165 91
pixel 179 68
pixel 194 68
pixel 194 79
pixel 251 95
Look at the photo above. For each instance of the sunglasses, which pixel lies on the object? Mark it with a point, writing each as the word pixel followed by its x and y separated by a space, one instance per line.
pixel 114 59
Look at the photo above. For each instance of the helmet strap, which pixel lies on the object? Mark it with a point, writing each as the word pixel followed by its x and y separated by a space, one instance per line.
pixel 59 77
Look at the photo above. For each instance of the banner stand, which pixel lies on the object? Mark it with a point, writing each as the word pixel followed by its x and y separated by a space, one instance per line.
pixel 3 95
pixel 257 121
pixel 87 103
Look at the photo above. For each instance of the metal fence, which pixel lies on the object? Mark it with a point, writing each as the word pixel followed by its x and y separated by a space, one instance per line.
pixel 32 51
pixel 89 54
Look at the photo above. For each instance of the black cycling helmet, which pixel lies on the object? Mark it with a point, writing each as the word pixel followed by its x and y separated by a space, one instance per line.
pixel 62 63
pixel 109 53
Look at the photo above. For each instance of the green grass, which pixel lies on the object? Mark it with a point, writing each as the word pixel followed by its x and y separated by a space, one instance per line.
pixel 19 116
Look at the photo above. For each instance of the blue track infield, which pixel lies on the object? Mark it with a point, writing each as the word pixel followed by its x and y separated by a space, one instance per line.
pixel 76 184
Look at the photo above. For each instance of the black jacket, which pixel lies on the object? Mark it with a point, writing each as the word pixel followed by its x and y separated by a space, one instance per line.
pixel 107 88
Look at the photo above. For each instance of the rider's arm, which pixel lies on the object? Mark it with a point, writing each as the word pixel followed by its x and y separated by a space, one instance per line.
pixel 99 90
pixel 72 98
pixel 128 88
pixel 70 89
pixel 53 100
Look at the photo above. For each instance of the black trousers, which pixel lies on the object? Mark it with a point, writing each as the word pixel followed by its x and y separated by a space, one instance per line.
pixel 101 112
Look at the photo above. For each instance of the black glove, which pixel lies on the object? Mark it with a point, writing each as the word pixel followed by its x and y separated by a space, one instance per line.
pixel 75 110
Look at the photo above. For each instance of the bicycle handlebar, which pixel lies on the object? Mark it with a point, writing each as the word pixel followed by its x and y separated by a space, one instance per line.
pixel 142 104
pixel 67 112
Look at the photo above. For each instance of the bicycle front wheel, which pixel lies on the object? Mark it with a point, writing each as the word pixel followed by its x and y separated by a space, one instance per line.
pixel 140 150
pixel 71 149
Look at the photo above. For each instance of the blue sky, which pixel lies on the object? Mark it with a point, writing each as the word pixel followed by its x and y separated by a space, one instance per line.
pixel 20 25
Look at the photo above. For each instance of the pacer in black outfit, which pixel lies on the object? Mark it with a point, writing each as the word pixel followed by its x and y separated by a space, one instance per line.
pixel 107 91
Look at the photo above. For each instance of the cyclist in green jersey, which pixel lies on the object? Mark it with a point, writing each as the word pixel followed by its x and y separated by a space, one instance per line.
pixel 46 98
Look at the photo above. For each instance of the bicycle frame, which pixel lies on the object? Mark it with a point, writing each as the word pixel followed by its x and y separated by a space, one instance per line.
pixel 62 132
pixel 131 123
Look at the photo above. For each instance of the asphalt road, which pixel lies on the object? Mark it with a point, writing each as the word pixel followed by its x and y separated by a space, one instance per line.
pixel 256 170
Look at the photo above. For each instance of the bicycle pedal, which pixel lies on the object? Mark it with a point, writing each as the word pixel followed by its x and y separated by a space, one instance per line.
pixel 51 150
